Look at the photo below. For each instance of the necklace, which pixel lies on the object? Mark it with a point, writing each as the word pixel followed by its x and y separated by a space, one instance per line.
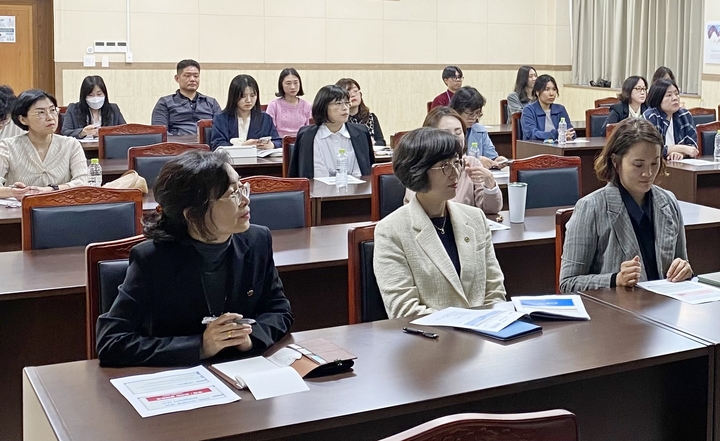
pixel 441 229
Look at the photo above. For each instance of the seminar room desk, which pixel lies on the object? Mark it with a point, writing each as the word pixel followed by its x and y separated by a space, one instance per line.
pixel 611 371
pixel 587 151
pixel 91 147
pixel 699 184
pixel 501 136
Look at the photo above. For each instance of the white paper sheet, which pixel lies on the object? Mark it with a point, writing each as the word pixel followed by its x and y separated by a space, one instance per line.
pixel 173 391
pixel 10 203
pixel 492 320
pixel 552 306
pixel 688 291
pixel 330 180
pixel 502 173
pixel 578 141
pixel 495 226
pixel 697 162
pixel 264 377
pixel 270 152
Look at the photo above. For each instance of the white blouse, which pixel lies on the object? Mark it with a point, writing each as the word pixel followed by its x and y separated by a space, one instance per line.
pixel 64 162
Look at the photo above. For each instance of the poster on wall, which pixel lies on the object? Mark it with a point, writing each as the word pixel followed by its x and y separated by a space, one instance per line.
pixel 712 43
pixel 7 29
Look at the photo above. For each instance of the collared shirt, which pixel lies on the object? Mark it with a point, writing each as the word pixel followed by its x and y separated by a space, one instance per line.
pixel 243 128
pixel 180 114
pixel 642 223
pixel 326 147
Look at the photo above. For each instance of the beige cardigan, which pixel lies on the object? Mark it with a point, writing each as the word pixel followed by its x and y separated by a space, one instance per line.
pixel 64 163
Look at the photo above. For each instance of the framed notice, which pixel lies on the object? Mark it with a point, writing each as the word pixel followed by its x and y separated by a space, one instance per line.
pixel 7 29
pixel 712 43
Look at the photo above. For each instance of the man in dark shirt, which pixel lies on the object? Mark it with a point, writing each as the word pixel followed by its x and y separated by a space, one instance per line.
pixel 452 76
pixel 181 111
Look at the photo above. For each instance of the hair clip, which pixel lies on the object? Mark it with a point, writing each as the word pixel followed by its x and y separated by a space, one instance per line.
pixel 159 209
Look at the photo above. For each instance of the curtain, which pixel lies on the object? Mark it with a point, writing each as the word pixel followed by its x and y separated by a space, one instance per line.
pixel 614 39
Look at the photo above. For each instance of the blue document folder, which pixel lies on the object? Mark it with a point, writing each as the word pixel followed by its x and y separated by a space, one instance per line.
pixel 512 331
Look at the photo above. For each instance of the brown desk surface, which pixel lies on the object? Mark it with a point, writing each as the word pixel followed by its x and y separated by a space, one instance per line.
pixel 592 144
pixel 120 166
pixel 397 375
pixel 700 169
pixel 506 129
pixel 184 139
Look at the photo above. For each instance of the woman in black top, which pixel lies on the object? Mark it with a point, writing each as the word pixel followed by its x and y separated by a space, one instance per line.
pixel 632 101
pixel 359 112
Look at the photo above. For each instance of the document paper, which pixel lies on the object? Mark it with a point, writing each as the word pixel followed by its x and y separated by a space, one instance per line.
pixel 689 292
pixel 492 320
pixel 330 180
pixel 555 306
pixel 174 391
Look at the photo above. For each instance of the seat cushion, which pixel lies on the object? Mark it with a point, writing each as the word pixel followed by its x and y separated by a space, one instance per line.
pixel 372 307
pixel 149 167
pixel 111 274
pixel 278 211
pixel 550 187
pixel 116 146
pixel 392 193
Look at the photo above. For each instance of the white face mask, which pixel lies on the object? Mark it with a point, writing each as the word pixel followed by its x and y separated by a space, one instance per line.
pixel 95 102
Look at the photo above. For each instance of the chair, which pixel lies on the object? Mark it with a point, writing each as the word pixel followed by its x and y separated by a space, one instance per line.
pixel 609 129
pixel 114 142
pixel 79 216
pixel 594 121
pixel 429 106
pixel 706 137
pixel 263 107
pixel 204 129
pixel 148 160
pixel 503 112
pixel 562 216
pixel 387 191
pixel 606 102
pixel 280 203
pixel 547 425
pixel 552 180
pixel 106 264
pixel 365 303
pixel 288 144
pixel 395 139
pixel 62 110
pixel 516 133
pixel 702 115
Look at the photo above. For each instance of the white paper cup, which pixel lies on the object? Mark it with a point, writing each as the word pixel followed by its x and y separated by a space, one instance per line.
pixel 517 193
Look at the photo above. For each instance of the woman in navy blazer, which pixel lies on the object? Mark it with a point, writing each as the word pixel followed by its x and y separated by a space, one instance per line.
pixel 243 108
pixel 534 115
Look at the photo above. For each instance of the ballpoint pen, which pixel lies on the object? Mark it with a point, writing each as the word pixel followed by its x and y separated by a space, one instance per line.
pixel 419 332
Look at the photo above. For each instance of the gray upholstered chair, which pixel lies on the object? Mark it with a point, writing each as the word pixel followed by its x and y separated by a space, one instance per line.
pixel 595 121
pixel 280 203
pixel 551 180
pixel 148 160
pixel 114 142
pixel 365 302
pixel 706 137
pixel 387 191
pixel 204 129
pixel 702 115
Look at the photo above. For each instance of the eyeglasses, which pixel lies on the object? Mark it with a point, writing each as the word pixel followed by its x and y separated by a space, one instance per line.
pixel 449 166
pixel 477 114
pixel 341 103
pixel 456 79
pixel 640 89
pixel 242 191
pixel 43 114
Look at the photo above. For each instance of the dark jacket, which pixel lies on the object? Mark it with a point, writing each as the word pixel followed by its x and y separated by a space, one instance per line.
pixel 619 112
pixel 301 160
pixel 73 123
pixel 533 121
pixel 156 318
pixel 225 128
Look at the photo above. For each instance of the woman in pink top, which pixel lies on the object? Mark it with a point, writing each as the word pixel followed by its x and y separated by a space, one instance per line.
pixel 476 185
pixel 289 112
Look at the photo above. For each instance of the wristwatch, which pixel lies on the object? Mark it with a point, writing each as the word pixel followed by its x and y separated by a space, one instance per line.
pixel 54 187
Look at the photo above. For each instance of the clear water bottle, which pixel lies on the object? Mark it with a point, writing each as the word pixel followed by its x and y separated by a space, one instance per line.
pixel 95 172
pixel 716 152
pixel 473 150
pixel 562 132
pixel 341 178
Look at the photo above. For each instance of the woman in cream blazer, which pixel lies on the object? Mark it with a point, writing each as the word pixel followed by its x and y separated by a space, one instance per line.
pixel 419 268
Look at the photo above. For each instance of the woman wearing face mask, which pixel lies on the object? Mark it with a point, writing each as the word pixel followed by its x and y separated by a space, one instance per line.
pixel 94 109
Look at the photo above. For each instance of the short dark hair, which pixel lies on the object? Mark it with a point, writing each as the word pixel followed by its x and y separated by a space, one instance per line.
pixel 521 82
pixel 628 86
pixel 326 95
pixel 187 63
pixel 7 101
pixel 185 190
pixel 451 72
pixel 25 101
pixel 285 72
pixel 419 150
pixel 540 84
pixel 629 132
pixel 661 72
pixel 363 113
pixel 467 98
pixel 86 89
pixel 658 90
pixel 237 91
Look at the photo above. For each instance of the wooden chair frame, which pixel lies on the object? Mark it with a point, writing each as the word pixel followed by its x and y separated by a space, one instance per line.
pixel 395 138
pixel 695 111
pixel 273 184
pixel 562 216
pixel 589 114
pixel 77 196
pixel 201 126
pixel 376 171
pixel 286 141
pixel 542 162
pixel 62 110
pixel 127 129
pixel 161 149
pixel 606 102
pixel 707 127
pixel 503 111
pixel 429 106
pixel 515 123
pixel 95 253
pixel 609 129
pixel 356 236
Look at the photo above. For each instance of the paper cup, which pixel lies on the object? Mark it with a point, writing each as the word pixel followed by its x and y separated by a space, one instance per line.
pixel 517 193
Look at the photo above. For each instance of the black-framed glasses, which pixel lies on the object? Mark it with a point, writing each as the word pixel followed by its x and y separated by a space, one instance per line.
pixel 447 167
pixel 43 114
pixel 456 78
pixel 242 191
pixel 640 89
pixel 341 103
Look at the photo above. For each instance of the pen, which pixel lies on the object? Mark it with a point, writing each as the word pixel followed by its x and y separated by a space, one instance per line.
pixel 419 332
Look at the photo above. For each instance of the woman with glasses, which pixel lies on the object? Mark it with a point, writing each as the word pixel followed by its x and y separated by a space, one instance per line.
pixel 468 102
pixel 359 112
pixel 317 145
pixel 540 119
pixel 92 111
pixel 632 101
pixel 674 123
pixel 39 161
pixel 191 288
pixel 434 253
pixel 453 78
pixel 8 129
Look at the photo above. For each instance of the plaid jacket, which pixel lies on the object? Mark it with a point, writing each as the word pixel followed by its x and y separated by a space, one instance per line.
pixel 683 125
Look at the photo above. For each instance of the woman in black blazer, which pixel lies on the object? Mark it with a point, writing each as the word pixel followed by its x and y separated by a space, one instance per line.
pixel 316 146
pixel 93 110
pixel 187 288
pixel 632 101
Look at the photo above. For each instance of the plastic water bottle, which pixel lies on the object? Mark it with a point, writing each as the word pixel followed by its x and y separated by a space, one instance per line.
pixel 716 152
pixel 341 178
pixel 562 132
pixel 95 171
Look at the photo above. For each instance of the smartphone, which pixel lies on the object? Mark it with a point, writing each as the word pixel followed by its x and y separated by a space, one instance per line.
pixel 264 139
pixel 245 321
pixel 501 164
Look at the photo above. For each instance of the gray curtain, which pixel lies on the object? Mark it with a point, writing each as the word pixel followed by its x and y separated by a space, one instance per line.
pixel 614 39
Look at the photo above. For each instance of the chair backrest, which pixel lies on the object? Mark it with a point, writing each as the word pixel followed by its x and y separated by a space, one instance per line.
pixel 148 160
pixel 429 106
pixel 114 142
pixel 503 112
pixel 62 110
pixel 204 129
pixel 263 107
pixel 516 132
pixel 387 191
pixel 595 120
pixel 106 264
pixel 706 137
pixel 547 425
pixel 606 102
pixel 79 216
pixel 280 203
pixel 395 139
pixel 552 180
pixel 288 144
pixel 365 303
pixel 609 129
pixel 562 216
pixel 702 115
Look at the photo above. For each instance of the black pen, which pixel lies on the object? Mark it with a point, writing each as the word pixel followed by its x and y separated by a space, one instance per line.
pixel 419 332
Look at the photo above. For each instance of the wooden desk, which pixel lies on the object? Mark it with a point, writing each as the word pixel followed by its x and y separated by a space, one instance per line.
pixel 91 147
pixel 332 205
pixel 501 136
pixel 692 183
pixel 113 168
pixel 612 371
pixel 586 151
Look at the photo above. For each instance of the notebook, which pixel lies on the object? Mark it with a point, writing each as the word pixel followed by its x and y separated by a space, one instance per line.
pixel 710 278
